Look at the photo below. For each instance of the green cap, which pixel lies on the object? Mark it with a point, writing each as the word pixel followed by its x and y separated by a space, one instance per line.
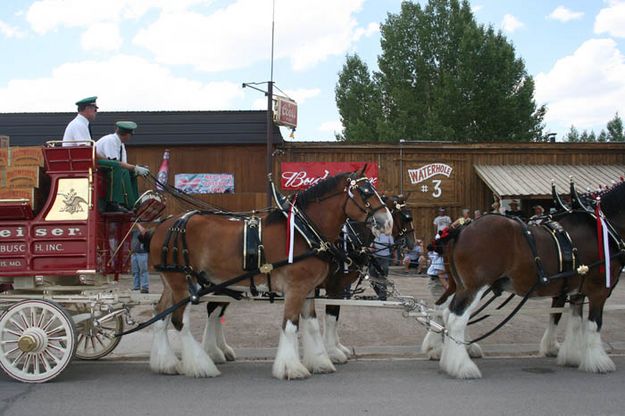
pixel 126 126
pixel 88 100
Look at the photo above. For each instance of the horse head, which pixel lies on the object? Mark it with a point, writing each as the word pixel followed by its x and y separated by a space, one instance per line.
pixel 612 203
pixel 365 204
pixel 403 228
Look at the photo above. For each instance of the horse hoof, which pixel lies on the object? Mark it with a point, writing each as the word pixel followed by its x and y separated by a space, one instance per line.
pixel 292 372
pixel 549 350
pixel 466 371
pixel 433 354
pixel 171 368
pixel 229 353
pixel 217 355
pixel 322 365
pixel 345 350
pixel 475 351
pixel 599 363
pixel 336 355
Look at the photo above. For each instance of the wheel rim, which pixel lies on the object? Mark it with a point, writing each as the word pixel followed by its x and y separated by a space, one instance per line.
pixel 96 341
pixel 37 341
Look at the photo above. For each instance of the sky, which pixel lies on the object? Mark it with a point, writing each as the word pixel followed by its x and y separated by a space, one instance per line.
pixel 150 55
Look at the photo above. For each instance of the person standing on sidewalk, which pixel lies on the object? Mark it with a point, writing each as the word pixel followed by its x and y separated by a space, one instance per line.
pixel 139 261
pixel 381 250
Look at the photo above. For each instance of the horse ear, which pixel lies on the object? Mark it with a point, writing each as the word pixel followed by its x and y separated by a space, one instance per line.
pixel 362 171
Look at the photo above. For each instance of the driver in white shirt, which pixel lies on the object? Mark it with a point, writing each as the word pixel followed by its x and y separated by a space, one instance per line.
pixel 77 131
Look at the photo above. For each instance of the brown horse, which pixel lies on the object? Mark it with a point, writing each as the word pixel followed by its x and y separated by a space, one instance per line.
pixel 215 250
pixel 336 284
pixel 493 251
pixel 339 280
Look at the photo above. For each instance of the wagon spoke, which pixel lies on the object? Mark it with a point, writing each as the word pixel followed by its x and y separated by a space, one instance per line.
pixel 11 351
pixel 19 357
pixel 57 329
pixel 46 364
pixel 47 325
pixel 17 334
pixel 41 318
pixel 24 319
pixel 15 323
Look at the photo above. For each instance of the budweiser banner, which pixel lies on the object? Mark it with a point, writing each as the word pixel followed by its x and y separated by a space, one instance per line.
pixel 302 175
pixel 205 183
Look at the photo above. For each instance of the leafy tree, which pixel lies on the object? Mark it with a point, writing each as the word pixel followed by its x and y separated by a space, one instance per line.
pixel 358 100
pixel 443 77
pixel 615 129
pixel 572 135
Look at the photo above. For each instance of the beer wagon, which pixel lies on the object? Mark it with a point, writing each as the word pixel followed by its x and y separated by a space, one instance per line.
pixel 59 265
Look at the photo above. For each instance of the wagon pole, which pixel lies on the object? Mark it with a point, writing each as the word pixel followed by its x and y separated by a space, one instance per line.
pixel 121 243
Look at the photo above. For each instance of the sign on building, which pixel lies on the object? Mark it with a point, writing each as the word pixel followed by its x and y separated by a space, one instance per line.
pixel 431 182
pixel 285 112
pixel 302 175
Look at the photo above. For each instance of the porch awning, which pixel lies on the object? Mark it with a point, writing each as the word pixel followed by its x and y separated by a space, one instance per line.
pixel 516 181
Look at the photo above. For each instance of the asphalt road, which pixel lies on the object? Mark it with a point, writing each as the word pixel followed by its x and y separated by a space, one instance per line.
pixel 515 386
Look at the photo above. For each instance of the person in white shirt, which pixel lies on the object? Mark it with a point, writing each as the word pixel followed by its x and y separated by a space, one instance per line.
pixel 78 132
pixel 111 153
pixel 442 221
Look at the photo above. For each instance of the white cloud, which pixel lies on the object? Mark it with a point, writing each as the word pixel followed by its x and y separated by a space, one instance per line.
pixel 475 8
pixel 47 15
pixel 333 126
pixel 236 36
pixel 585 88
pixel 122 83
pixel 510 23
pixel 563 14
pixel 611 20
pixel 102 37
pixel 9 31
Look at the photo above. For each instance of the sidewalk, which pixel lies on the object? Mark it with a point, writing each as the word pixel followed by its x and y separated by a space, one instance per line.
pixel 252 328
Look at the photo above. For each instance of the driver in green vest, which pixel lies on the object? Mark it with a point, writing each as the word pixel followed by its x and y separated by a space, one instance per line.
pixel 121 193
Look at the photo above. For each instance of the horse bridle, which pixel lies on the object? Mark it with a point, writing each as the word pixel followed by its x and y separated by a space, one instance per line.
pixel 366 191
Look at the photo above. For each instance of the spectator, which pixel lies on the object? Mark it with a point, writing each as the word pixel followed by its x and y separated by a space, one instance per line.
pixel 139 261
pixel 381 249
pixel 477 214
pixel 495 207
pixel 537 218
pixel 414 258
pixel 442 221
pixel 514 210
pixel 437 281
pixel 464 219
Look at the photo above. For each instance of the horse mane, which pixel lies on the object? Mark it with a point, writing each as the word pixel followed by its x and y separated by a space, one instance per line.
pixel 305 198
pixel 612 199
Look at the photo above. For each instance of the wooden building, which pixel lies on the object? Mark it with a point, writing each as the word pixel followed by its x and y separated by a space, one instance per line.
pixel 457 176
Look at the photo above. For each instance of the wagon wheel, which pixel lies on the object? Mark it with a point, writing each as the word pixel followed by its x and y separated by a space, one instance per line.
pixel 37 340
pixel 96 341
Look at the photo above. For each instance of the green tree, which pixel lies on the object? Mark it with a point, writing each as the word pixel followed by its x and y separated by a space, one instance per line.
pixel 615 129
pixel 444 77
pixel 572 135
pixel 358 100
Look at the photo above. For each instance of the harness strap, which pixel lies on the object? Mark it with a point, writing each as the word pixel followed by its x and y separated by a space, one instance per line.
pixel 212 289
pixel 529 237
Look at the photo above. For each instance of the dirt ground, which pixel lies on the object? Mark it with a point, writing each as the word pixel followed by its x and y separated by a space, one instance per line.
pixel 256 324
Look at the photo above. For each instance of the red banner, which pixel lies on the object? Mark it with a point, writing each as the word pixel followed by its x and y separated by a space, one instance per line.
pixel 302 175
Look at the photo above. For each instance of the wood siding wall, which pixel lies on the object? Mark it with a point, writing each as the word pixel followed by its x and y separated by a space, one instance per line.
pixel 463 188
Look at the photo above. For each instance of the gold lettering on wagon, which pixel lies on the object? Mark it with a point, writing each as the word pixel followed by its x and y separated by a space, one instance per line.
pixel 71 200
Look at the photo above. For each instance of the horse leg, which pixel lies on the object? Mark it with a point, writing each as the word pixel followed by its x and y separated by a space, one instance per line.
pixel 287 364
pixel 214 341
pixel 337 352
pixel 570 350
pixel 594 358
pixel 316 359
pixel 195 361
pixel 163 360
pixel 455 359
pixel 549 345
pixel 432 345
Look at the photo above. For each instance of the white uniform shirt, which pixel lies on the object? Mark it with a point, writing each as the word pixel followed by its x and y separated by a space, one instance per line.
pixel 437 264
pixel 77 129
pixel 442 222
pixel 111 147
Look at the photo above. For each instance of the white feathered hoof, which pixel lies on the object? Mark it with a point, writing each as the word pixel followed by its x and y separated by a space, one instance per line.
pixel 464 370
pixel 229 353
pixel 432 346
pixel 165 364
pixel 319 365
pixel 289 371
pixel 217 355
pixel 549 350
pixel 475 351
pixel 597 363
pixel 336 355
pixel 347 351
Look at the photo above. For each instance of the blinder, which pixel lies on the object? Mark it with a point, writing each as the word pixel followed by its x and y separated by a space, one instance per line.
pixel 366 190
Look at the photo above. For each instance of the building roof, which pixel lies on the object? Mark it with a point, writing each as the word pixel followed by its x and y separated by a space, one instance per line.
pixel 168 128
pixel 535 180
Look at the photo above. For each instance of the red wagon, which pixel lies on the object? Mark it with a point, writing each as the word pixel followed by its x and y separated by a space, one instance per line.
pixel 58 266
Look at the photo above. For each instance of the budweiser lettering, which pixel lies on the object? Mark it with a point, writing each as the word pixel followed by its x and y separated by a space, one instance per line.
pixel 301 179
pixel 426 172
pixel 302 175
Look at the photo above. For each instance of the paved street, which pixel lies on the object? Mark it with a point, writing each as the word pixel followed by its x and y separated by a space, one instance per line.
pixel 519 386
